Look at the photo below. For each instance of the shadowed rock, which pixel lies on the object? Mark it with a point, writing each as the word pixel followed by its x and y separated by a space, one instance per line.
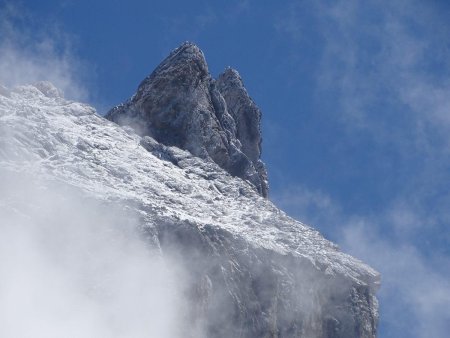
pixel 180 105
pixel 247 117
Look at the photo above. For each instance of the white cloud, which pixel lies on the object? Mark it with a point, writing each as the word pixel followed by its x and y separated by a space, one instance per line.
pixel 30 52
pixel 385 61
pixel 411 284
pixel 392 54
pixel 307 204
pixel 76 266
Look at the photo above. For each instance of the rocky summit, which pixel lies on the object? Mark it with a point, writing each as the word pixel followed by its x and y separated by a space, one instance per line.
pixel 188 176
pixel 181 105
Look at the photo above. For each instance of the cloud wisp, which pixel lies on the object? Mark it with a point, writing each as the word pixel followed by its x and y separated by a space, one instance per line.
pixel 76 266
pixel 388 61
pixel 32 52
pixel 385 64
pixel 411 284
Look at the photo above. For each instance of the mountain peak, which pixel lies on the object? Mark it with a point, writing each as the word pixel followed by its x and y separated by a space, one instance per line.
pixel 179 104
pixel 189 45
pixel 231 75
pixel 185 52
pixel 186 65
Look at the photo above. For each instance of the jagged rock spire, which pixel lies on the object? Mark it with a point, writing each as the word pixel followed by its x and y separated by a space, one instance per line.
pixel 179 104
pixel 247 116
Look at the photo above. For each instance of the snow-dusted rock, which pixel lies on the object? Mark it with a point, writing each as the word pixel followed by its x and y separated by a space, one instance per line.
pixel 179 104
pixel 48 89
pixel 253 271
pixel 247 117
pixel 4 91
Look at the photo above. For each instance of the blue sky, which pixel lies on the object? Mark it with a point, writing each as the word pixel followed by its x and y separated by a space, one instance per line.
pixel 356 112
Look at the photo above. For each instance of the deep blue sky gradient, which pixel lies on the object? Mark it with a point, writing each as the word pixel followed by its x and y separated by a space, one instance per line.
pixel 356 115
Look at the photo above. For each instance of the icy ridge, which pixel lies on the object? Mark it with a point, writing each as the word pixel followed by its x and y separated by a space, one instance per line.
pixel 44 134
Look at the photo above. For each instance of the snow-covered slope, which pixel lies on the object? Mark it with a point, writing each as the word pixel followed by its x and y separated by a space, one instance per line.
pixel 254 271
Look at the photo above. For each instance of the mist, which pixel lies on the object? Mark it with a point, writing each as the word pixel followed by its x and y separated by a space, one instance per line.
pixel 74 266
pixel 31 52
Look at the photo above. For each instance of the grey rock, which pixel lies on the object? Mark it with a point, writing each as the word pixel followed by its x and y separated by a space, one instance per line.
pixel 247 116
pixel 48 89
pixel 4 91
pixel 241 291
pixel 180 105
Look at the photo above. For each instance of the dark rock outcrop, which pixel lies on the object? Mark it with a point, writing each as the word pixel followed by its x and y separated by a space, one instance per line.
pixel 180 105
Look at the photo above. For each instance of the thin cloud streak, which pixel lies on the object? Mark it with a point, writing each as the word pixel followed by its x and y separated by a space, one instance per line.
pixel 389 59
pixel 30 53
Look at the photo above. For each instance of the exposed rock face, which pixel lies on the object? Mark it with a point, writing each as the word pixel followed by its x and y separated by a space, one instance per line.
pixel 179 104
